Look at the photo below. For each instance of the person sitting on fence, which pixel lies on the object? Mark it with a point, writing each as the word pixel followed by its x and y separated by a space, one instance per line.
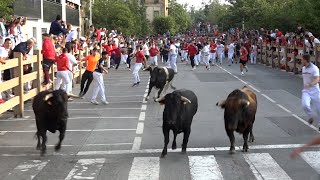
pixel 49 55
pixel 25 48
pixel 4 54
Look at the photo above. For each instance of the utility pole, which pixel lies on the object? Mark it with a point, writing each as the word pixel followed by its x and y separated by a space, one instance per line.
pixel 90 9
pixel 242 24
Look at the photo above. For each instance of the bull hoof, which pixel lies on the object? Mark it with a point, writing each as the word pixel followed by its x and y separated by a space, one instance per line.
pixel 57 147
pixel 232 151
pixel 251 139
pixel 162 156
pixel 43 153
pixel 174 147
pixel 146 99
pixel 38 148
pixel 245 150
pixel 183 151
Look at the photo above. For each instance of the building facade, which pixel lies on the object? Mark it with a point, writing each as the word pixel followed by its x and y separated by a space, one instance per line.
pixel 156 8
pixel 41 13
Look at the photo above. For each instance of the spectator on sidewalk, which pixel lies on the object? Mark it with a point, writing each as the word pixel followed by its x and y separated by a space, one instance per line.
pixel 4 54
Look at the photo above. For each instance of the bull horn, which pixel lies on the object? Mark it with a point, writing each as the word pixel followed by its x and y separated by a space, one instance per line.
pixel 73 95
pixel 245 102
pixel 185 100
pixel 221 103
pixel 160 99
pixel 48 96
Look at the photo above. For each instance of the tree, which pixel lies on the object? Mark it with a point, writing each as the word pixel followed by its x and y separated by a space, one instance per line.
pixel 163 24
pixel 180 16
pixel 6 8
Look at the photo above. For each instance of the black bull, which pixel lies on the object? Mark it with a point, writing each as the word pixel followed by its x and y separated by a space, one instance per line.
pixel 180 107
pixel 51 113
pixel 239 115
pixel 161 78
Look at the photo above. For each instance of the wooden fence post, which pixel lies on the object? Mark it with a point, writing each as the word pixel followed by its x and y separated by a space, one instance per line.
pixel 18 90
pixel 38 68
pixel 279 56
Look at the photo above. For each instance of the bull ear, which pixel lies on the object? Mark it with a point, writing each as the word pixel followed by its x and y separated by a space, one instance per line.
pixel 244 103
pixel 222 104
pixel 161 100
pixel 185 100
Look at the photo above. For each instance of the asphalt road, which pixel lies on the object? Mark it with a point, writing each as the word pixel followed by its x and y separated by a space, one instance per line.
pixel 123 140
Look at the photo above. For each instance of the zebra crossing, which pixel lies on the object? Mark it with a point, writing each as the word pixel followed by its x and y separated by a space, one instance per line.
pixel 199 167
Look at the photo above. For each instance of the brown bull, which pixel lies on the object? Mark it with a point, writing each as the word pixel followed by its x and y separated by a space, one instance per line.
pixel 239 115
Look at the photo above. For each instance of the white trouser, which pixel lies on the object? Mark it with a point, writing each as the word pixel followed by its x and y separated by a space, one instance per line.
pixel 0 83
pixel 220 57
pixel 184 55
pixel 154 60
pixel 173 62
pixel 313 97
pixel 108 61
pixel 98 86
pixel 253 58
pixel 64 77
pixel 206 61
pixel 212 57
pixel 69 85
pixel 197 59
pixel 124 58
pixel 230 58
pixel 135 72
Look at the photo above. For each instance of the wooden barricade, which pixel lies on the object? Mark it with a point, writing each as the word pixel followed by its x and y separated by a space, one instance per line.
pixel 36 77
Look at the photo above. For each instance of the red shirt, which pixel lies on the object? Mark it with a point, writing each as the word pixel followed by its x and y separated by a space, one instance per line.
pixel 185 46
pixel 48 49
pixel 213 47
pixel 62 62
pixel 117 52
pixel 153 51
pixel 192 49
pixel 243 54
pixel 139 57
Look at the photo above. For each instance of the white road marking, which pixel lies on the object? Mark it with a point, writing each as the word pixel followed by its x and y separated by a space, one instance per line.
pixel 266 166
pixel 72 118
pixel 140 128
pixel 2 133
pixel 254 88
pixel 209 149
pixel 142 116
pixel 144 101
pixel 136 143
pixel 145 168
pixel 77 130
pixel 147 90
pixel 204 167
pixel 70 145
pixel 145 95
pixel 267 97
pixel 115 102
pixel 312 158
pixel 94 109
pixel 27 170
pixel 86 169
pixel 143 108
pixel 305 122
pixel 285 109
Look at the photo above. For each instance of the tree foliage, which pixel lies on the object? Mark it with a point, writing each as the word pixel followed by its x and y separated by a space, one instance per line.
pixel 128 17
pixel 163 24
pixel 285 15
pixel 180 16
pixel 6 8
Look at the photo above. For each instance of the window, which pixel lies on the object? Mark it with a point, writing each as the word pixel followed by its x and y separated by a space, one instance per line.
pixel 156 1
pixel 156 13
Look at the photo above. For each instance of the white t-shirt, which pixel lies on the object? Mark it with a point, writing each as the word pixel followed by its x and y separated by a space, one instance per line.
pixel 308 74
pixel 72 36
pixel 205 50
pixel 72 60
pixel 173 49
pixel 231 49
pixel 146 50
pixel 4 54
pixel 220 49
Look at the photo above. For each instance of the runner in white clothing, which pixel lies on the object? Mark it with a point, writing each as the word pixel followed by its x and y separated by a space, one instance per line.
pixel 231 53
pixel 205 53
pixel 220 52
pixel 172 62
pixel 311 91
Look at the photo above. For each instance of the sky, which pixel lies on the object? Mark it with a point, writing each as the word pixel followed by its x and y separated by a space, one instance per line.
pixel 196 3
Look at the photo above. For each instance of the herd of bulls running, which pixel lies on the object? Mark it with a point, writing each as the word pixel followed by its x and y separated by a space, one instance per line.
pixel 180 106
